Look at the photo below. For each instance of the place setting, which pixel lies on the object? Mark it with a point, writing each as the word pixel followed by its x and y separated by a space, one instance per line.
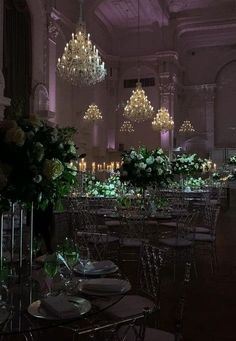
pixel 59 307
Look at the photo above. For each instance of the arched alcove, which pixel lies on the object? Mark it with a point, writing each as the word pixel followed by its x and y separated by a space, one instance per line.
pixel 225 104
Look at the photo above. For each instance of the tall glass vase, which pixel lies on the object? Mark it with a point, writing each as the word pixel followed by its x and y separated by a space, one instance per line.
pixel 20 235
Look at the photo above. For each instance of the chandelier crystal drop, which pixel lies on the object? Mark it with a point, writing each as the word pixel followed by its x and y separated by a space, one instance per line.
pixel 80 63
pixel 93 113
pixel 127 127
pixel 163 121
pixel 138 107
pixel 186 127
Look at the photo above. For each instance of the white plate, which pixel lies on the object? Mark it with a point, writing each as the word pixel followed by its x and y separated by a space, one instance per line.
pixel 124 286
pixel 97 268
pixel 35 309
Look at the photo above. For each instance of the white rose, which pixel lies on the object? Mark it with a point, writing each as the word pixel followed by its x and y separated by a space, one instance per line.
pixel 158 159
pixel 149 170
pixel 133 154
pixel 142 165
pixel 160 171
pixel 140 157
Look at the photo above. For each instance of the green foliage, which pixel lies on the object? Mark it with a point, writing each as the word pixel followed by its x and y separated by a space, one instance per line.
pixel 143 168
pixel 36 161
pixel 187 164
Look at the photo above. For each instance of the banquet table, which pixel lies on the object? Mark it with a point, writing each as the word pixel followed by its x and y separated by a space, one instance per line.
pixel 18 322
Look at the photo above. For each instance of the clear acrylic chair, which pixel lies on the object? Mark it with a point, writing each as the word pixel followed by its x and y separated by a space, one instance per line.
pixel 205 242
pixel 180 249
pixel 154 334
pixel 147 294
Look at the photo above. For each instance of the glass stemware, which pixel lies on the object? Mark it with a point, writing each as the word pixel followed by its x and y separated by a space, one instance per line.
pixel 70 253
pixel 51 269
pixel 84 258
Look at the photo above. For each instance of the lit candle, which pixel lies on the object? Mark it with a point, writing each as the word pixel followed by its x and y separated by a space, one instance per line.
pixel 117 165
pixel 104 165
pixel 93 167
pixel 214 166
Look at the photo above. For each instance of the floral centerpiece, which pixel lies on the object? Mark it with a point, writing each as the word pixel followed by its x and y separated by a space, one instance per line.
pixel 194 183
pixel 110 188
pixel 143 167
pixel 187 164
pixel 36 162
pixel 232 160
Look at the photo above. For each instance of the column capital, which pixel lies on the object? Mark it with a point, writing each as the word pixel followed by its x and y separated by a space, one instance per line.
pixel 168 83
pixel 53 28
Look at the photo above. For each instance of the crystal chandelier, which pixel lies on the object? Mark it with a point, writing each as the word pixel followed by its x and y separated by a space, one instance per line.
pixel 186 127
pixel 163 121
pixel 138 107
pixel 80 63
pixel 127 127
pixel 93 113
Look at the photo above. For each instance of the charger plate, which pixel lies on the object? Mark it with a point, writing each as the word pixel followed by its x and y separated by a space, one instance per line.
pixel 36 310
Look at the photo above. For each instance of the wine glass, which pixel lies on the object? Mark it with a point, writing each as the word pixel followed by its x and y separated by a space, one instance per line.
pixel 70 253
pixel 84 258
pixel 51 269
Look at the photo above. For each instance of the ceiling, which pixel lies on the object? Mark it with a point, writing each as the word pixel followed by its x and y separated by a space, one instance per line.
pixel 188 5
pixel 123 14
pixel 186 24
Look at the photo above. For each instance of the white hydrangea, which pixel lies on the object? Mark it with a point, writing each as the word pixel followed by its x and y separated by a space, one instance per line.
pixel 150 160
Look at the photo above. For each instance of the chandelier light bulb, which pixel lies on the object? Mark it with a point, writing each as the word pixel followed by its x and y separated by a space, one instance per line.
pixel 163 121
pixel 93 113
pixel 138 107
pixel 127 127
pixel 186 127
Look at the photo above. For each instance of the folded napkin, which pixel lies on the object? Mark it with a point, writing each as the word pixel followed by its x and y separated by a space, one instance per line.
pixel 60 307
pixel 105 285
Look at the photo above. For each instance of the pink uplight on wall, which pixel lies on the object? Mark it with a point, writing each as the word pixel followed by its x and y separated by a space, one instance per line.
pixel 95 135
pixel 165 140
pixel 111 141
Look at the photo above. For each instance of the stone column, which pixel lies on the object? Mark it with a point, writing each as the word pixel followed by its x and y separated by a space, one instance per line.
pixel 4 101
pixel 169 71
pixel 167 99
pixel 52 62
pixel 209 95
pixel 112 119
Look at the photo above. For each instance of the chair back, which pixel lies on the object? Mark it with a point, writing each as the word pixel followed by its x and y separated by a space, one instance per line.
pixel 182 302
pixel 151 260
